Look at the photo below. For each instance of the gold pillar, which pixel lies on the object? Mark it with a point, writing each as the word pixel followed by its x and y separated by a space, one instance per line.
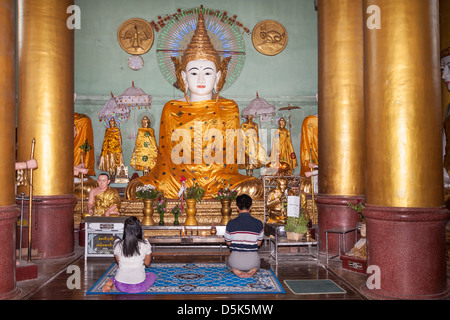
pixel 45 93
pixel 404 186
pixel 341 98
pixel 403 114
pixel 444 23
pixel 341 118
pixel 8 102
pixel 8 210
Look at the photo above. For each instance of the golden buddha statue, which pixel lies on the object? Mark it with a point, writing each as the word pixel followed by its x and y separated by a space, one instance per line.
pixel 445 68
pixel 84 157
pixel 103 200
pixel 145 151
pixel 282 149
pixel 84 143
pixel 254 152
pixel 193 141
pixel 276 202
pixel 111 155
pixel 309 143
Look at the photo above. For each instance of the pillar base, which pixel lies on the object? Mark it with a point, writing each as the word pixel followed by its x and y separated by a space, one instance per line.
pixel 8 220
pixel 333 212
pixel 26 270
pixel 408 246
pixel 52 226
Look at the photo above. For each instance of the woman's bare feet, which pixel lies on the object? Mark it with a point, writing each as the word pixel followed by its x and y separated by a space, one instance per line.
pixel 108 286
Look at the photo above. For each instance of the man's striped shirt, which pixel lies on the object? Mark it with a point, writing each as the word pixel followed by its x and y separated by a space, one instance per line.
pixel 244 232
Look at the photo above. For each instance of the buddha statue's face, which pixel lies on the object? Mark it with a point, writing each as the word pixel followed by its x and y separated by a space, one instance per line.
pixel 145 122
pixel 112 123
pixel 200 77
pixel 282 184
pixel 445 68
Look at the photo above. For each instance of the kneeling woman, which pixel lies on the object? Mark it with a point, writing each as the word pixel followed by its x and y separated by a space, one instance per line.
pixel 132 254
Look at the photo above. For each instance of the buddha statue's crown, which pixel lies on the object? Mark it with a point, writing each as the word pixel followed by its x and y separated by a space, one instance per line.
pixel 200 47
pixel 445 53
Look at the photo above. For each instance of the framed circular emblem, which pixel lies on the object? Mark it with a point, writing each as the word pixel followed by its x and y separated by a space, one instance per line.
pixel 135 36
pixel 135 62
pixel 269 37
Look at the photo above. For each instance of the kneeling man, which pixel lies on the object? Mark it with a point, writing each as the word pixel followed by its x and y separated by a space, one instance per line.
pixel 244 235
pixel 103 200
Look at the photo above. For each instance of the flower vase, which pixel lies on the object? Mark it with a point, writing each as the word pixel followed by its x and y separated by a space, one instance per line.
pixel 191 211
pixel 226 211
pixel 148 213
pixel 161 219
pixel 175 221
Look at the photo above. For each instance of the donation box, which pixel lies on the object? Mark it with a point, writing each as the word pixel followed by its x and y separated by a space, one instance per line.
pixel 100 234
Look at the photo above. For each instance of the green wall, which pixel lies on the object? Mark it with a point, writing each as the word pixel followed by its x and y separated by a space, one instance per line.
pixel 101 66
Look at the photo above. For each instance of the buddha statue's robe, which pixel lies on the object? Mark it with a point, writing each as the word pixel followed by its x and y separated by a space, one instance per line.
pixel 145 150
pixel 105 200
pixel 111 156
pixel 84 143
pixel 254 152
pixel 309 145
pixel 199 150
pixel 282 144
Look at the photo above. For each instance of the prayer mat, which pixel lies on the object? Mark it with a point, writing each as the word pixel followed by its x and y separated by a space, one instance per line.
pixel 198 278
pixel 324 286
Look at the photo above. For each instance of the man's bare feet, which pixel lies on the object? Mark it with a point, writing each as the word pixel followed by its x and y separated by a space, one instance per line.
pixel 108 286
pixel 252 272
pixel 243 274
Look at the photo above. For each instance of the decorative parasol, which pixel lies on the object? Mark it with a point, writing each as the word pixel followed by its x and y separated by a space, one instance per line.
pixel 259 107
pixel 112 109
pixel 226 38
pixel 289 108
pixel 134 97
pixel 120 107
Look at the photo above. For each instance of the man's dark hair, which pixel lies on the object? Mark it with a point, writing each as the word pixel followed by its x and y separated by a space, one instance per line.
pixel 244 202
pixel 104 174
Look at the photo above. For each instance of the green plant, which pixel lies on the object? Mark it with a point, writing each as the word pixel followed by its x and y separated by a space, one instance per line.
pixel 297 225
pixel 225 192
pixel 176 210
pixel 358 207
pixel 161 205
pixel 148 192
pixel 195 192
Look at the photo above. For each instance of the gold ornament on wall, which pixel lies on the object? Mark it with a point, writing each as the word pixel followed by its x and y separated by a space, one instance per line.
pixel 269 37
pixel 135 36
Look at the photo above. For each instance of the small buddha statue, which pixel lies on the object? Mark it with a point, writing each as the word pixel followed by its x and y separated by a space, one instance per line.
pixel 145 151
pixel 84 143
pixel 276 202
pixel 445 68
pixel 193 130
pixel 254 153
pixel 111 156
pixel 282 152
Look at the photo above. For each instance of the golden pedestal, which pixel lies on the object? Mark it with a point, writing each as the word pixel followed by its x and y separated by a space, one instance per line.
pixel 208 213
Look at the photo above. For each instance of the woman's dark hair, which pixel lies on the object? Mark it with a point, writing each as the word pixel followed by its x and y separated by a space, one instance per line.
pixel 244 202
pixel 132 235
